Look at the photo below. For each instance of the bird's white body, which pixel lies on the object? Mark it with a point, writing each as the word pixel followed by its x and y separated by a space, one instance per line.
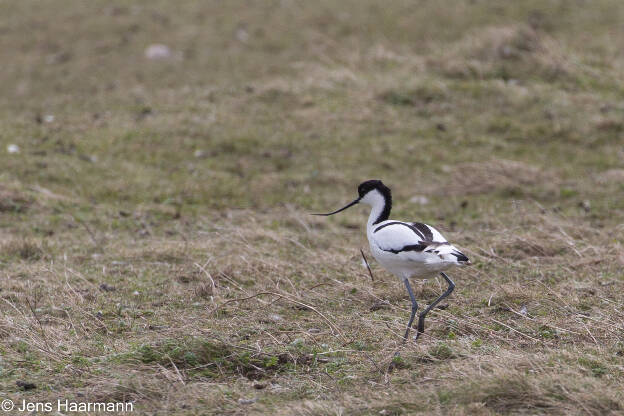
pixel 408 249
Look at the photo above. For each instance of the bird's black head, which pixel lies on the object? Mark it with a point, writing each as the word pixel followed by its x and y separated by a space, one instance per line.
pixel 366 187
pixel 363 190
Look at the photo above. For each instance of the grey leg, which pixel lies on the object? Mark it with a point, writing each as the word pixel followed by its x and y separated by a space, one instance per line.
pixel 414 309
pixel 421 318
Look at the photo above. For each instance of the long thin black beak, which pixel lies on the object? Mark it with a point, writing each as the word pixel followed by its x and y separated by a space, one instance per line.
pixel 350 204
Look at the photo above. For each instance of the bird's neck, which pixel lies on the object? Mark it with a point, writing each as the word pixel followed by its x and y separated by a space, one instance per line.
pixel 380 209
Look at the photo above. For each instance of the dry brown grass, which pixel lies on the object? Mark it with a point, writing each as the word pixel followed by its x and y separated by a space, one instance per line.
pixel 493 175
pixel 509 51
pixel 12 200
pixel 307 320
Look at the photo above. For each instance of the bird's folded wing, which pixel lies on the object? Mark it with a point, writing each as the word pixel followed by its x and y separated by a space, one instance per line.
pixel 397 237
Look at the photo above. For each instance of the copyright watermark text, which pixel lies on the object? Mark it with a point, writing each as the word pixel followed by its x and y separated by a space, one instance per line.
pixel 66 406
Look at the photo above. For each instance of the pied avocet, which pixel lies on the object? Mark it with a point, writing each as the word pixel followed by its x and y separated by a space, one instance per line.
pixel 405 249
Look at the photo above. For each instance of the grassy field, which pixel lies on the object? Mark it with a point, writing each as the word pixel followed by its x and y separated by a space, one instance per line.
pixel 155 242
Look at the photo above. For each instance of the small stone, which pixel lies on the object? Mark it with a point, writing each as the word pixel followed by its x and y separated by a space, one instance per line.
pixel 200 154
pixel 247 401
pixel 314 330
pixel 419 199
pixel 88 158
pixel 523 310
pixel 275 317
pixel 158 51
pixel 242 35
pixel 298 341
pixel 13 148
pixel 48 118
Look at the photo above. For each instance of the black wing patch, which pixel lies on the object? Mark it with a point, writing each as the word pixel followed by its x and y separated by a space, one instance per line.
pixel 424 230
pixel 411 247
pixel 412 227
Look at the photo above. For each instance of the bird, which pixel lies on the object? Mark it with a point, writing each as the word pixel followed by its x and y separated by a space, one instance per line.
pixel 405 249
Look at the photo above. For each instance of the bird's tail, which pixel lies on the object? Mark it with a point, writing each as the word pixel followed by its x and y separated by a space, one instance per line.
pixel 452 254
